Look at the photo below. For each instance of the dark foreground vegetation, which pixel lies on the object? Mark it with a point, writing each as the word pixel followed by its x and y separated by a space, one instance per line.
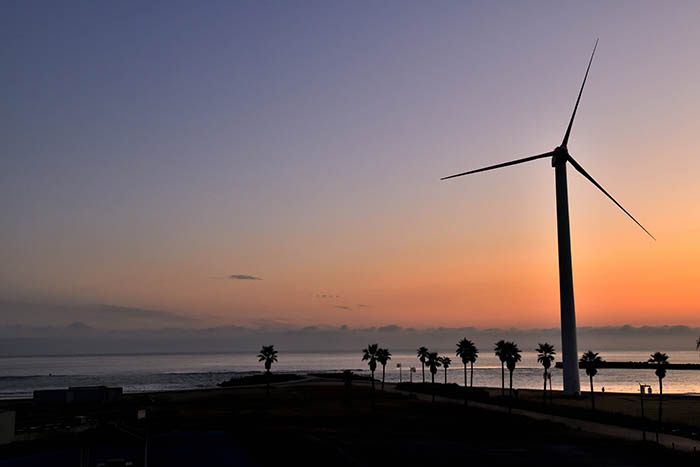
pixel 318 423
pixel 451 390
pixel 340 376
pixel 262 378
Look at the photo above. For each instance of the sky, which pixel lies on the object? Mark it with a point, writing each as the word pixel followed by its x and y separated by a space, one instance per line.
pixel 279 162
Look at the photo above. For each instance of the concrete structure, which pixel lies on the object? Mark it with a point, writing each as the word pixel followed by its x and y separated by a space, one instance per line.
pixel 7 427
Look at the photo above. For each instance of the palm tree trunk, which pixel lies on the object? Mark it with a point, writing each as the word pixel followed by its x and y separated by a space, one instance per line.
pixel 423 369
pixel 383 375
pixel 373 382
pixel 466 394
pixel 661 396
pixel 445 375
pixel 433 384
pixel 267 393
pixel 592 395
pixel 503 380
pixel 471 376
pixel 510 388
pixel 544 393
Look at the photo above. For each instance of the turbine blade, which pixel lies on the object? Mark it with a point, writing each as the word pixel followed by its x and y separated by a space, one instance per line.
pixel 573 115
pixel 505 164
pixel 583 172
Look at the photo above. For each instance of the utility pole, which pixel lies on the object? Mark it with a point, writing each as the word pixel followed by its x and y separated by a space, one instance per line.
pixel 642 387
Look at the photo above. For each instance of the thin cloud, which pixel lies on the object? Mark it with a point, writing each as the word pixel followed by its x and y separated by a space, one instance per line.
pixel 243 277
pixel 327 296
pixel 343 307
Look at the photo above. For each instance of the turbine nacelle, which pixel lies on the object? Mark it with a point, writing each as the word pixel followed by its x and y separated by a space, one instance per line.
pixel 560 155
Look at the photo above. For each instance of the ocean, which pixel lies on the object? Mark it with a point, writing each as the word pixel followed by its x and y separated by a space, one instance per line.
pixel 20 376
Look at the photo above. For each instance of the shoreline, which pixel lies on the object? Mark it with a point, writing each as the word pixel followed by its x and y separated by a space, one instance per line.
pixel 226 375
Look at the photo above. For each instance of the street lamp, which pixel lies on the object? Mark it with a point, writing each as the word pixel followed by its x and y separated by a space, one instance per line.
pixel 398 365
pixel 641 399
pixel 413 370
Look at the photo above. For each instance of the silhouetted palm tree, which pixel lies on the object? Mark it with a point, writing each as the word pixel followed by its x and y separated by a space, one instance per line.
pixel 697 344
pixel 383 357
pixel 500 351
pixel 370 354
pixel 433 362
pixel 591 361
pixel 545 356
pixel 267 354
pixel 446 361
pixel 512 357
pixel 661 360
pixel 465 350
pixel 422 354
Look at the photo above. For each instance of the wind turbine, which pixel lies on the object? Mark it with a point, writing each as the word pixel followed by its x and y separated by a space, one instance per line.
pixel 560 156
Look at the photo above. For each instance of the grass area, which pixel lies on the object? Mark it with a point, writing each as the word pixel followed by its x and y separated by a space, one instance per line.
pixel 681 414
pixel 323 423
pixel 341 376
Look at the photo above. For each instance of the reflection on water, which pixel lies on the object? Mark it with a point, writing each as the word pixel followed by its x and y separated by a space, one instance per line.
pixel 139 373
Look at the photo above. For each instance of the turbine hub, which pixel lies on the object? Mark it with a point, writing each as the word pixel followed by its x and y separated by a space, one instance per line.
pixel 561 155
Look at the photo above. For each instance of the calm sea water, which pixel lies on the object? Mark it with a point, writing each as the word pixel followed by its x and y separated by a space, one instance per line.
pixel 19 376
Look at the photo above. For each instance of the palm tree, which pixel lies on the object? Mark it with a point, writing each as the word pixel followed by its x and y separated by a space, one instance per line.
pixel 545 356
pixel 370 353
pixel 591 361
pixel 697 344
pixel 446 361
pixel 268 354
pixel 661 360
pixel 500 351
pixel 399 366
pixel 383 357
pixel 422 354
pixel 462 352
pixel 433 362
pixel 467 351
pixel 513 356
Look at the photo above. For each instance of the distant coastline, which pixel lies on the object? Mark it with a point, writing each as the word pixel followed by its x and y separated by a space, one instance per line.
pixel 641 365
